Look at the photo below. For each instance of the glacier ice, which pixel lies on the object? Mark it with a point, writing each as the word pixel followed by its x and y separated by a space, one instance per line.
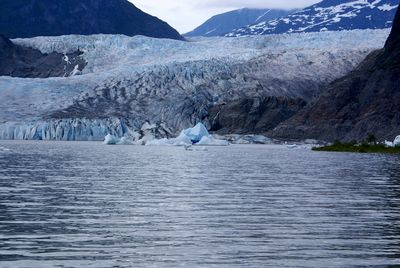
pixel 395 143
pixel 167 83
pixel 111 140
pixel 64 129
pixel 196 133
pixel 211 141
pixel 114 140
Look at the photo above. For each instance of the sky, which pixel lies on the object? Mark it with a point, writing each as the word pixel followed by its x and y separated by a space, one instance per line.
pixel 185 15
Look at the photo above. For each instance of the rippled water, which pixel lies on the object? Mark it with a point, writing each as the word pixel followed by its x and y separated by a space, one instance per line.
pixel 90 205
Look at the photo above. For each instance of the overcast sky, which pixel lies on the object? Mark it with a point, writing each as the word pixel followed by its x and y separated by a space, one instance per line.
pixel 185 15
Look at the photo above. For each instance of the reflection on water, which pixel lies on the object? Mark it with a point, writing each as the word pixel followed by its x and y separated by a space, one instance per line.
pixel 89 205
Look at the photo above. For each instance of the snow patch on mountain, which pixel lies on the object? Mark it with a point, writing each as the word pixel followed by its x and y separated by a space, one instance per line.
pixel 328 15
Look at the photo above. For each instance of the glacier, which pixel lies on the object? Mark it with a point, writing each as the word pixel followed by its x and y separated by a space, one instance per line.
pixel 154 88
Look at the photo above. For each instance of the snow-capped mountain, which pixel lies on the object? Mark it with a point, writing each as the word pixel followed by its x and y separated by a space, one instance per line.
pixel 365 101
pixel 129 82
pixel 224 23
pixel 29 18
pixel 328 15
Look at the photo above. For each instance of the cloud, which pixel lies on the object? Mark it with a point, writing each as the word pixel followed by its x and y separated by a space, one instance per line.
pixel 253 3
pixel 185 15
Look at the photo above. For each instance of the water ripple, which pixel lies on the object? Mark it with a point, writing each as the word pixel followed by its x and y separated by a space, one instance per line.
pixel 88 205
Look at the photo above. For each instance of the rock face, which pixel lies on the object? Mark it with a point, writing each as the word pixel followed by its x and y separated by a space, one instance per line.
pixel 29 18
pixel 19 61
pixel 256 115
pixel 224 23
pixel 365 101
pixel 328 15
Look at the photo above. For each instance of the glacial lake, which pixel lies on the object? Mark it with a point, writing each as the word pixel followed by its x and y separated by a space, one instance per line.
pixel 84 204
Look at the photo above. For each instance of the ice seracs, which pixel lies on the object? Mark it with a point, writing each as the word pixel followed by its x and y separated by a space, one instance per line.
pixel 129 81
pixel 197 135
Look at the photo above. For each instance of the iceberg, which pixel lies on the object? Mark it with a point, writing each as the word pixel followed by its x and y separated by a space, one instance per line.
pixel 395 143
pixel 211 141
pixel 196 133
pixel 114 140
pixel 111 140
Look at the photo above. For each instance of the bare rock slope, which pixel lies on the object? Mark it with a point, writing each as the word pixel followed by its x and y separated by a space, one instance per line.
pixel 363 102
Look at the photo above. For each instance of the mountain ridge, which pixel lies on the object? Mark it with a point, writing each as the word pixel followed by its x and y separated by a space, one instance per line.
pixel 221 24
pixel 366 101
pixel 328 15
pixel 30 18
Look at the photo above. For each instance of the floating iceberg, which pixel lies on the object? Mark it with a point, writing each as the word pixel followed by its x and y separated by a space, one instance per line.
pixel 395 143
pixel 211 141
pixel 114 140
pixel 111 140
pixel 196 133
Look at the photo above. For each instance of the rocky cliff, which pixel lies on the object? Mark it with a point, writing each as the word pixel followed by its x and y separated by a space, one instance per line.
pixel 365 101
pixel 25 62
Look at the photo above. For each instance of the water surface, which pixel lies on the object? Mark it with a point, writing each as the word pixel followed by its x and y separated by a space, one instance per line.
pixel 78 204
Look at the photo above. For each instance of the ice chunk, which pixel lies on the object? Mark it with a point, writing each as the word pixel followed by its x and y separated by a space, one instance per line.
pixel 211 141
pixel 396 141
pixel 114 140
pixel 389 144
pixel 181 140
pixel 196 133
pixel 111 139
pixel 4 149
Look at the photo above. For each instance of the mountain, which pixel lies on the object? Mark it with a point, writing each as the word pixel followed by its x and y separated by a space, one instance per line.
pixel 365 101
pixel 328 15
pixel 129 83
pixel 224 23
pixel 29 18
pixel 20 61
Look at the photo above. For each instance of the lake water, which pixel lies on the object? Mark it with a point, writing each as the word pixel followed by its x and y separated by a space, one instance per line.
pixel 82 204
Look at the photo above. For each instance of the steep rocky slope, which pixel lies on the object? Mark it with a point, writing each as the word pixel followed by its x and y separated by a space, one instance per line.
pixel 19 61
pixel 253 115
pixel 365 101
pixel 172 85
pixel 328 15
pixel 28 18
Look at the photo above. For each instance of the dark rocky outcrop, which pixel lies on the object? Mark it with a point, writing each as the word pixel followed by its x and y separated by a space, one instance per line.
pixel 28 18
pixel 253 115
pixel 19 61
pixel 365 101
